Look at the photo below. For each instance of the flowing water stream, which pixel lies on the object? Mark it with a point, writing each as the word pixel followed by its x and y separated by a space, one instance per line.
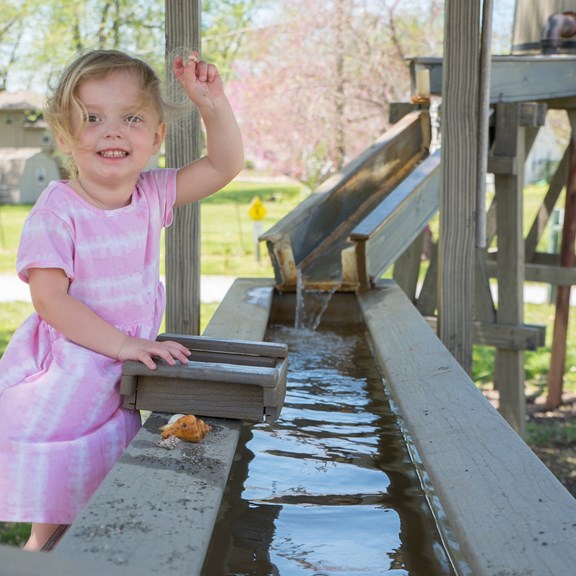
pixel 329 488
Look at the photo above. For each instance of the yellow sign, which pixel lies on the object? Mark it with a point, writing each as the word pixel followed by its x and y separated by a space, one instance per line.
pixel 257 210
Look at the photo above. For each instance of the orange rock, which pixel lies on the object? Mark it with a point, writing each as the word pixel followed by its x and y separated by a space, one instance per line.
pixel 187 428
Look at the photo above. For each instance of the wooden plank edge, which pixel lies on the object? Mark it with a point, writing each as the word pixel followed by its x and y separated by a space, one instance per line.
pixel 228 346
pixel 505 509
pixel 157 507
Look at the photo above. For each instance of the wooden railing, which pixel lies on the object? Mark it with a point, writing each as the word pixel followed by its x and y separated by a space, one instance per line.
pixel 502 507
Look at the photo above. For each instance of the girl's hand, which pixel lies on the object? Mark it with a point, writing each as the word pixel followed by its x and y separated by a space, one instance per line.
pixel 200 80
pixel 144 350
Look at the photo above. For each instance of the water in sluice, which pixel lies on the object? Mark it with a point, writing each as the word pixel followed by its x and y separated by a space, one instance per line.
pixel 328 488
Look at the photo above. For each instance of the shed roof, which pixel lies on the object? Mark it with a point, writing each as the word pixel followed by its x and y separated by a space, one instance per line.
pixel 11 154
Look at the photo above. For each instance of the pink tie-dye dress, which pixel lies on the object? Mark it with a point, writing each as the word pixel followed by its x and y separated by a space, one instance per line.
pixel 61 423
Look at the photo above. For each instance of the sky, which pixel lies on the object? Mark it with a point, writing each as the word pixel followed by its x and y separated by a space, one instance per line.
pixel 503 19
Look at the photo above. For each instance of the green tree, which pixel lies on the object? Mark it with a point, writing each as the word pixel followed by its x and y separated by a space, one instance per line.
pixel 54 30
pixel 12 21
pixel 225 26
pixel 38 37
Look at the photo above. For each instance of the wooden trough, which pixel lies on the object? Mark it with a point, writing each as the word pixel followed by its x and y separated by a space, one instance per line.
pixel 235 379
pixel 503 512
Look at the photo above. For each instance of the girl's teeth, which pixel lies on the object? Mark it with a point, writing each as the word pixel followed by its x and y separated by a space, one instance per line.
pixel 113 154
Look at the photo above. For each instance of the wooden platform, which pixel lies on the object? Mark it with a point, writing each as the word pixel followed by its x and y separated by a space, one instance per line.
pixel 516 78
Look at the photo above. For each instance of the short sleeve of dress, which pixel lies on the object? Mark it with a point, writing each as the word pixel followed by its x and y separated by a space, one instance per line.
pixel 46 242
pixel 163 181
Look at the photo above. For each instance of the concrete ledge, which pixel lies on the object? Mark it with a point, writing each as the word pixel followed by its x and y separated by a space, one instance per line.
pixel 507 511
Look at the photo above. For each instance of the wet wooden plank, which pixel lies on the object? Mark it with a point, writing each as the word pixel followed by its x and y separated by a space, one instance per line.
pixel 506 510
pixel 157 508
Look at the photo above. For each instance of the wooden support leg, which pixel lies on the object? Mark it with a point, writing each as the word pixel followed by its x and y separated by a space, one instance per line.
pixel 509 366
pixel 558 358
pixel 407 267
pixel 429 293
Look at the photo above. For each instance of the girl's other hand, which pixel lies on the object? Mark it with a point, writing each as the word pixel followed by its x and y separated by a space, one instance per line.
pixel 145 350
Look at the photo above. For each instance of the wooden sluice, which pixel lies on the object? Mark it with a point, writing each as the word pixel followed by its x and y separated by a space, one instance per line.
pixel 344 235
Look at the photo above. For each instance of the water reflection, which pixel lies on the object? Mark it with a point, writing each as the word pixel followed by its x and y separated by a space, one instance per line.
pixel 329 488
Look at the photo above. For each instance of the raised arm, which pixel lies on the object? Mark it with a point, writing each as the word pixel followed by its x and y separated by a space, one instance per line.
pixel 225 151
pixel 49 290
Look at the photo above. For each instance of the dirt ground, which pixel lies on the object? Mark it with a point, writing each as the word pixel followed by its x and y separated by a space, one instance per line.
pixel 552 436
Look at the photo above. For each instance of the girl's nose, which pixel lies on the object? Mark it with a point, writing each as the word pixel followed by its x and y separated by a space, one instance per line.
pixel 113 129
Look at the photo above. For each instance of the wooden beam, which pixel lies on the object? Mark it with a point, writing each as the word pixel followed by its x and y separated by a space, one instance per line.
pixel 158 507
pixel 505 510
pixel 545 273
pixel 509 365
pixel 460 119
pixel 407 267
pixel 519 78
pixel 545 211
pixel 525 337
pixel 183 145
pixel 567 260
pixel 484 309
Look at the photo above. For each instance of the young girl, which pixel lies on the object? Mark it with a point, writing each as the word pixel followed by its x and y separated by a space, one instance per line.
pixel 90 251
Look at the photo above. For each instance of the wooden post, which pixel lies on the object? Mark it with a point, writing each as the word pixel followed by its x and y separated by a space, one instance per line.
pixel 484 115
pixel 460 127
pixel 509 366
pixel 183 145
pixel 558 357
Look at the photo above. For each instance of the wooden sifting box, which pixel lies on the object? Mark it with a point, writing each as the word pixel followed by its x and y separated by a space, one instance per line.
pixel 236 379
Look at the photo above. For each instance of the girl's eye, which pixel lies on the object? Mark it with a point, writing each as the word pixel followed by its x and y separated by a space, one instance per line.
pixel 91 118
pixel 132 118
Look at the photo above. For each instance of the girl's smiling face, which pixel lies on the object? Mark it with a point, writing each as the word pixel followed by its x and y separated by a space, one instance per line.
pixel 119 133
